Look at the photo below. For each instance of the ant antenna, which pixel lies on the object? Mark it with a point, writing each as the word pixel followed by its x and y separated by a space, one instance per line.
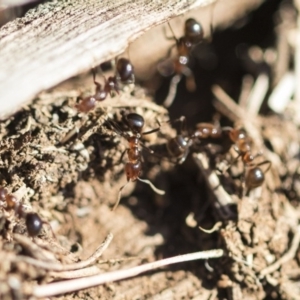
pixel 174 36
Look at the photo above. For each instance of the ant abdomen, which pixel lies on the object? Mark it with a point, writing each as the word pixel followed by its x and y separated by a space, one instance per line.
pixel 254 178
pixel 125 70
pixel 86 104
pixel 33 223
pixel 133 170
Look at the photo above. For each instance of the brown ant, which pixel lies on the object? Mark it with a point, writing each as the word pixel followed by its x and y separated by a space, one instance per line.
pixel 255 176
pixel 133 167
pixel 33 221
pixel 124 75
pixel 208 133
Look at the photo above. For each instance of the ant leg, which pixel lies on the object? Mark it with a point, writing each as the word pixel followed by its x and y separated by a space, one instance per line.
pixel 264 163
pixel 117 129
pixel 145 147
pixel 122 155
pixel 183 158
pixel 119 196
pixel 47 223
pixel 155 189
pixel 153 130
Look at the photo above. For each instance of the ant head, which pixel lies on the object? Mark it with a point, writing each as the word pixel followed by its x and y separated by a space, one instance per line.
pixel 125 69
pixel 193 31
pixel 254 178
pixel 135 122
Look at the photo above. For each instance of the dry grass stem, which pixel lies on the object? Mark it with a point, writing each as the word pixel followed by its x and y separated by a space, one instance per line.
pixel 58 288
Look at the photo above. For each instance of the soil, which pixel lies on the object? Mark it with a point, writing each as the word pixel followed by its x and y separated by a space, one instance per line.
pixel 68 167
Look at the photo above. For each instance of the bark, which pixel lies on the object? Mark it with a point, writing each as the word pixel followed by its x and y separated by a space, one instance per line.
pixel 61 39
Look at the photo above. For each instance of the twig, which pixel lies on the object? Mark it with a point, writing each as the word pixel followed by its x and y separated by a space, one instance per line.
pixel 286 257
pixel 224 200
pixel 172 90
pixel 52 266
pixel 229 108
pixel 282 93
pixel 258 94
pixel 247 84
pixel 90 271
pixel 58 288
pixel 216 227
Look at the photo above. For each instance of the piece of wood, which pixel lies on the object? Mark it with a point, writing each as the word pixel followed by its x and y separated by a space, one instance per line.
pixel 60 39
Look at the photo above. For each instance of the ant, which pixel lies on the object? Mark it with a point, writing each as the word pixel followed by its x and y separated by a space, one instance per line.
pixel 124 75
pixel 33 221
pixel 207 133
pixel 133 167
pixel 193 35
pixel 255 176
pixel 179 146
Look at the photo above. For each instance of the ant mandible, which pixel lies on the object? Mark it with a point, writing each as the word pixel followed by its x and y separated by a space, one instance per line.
pixel 133 167
pixel 124 75
pixel 33 221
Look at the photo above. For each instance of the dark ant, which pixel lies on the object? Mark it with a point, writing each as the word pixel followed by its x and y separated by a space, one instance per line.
pixel 33 221
pixel 193 35
pixel 180 146
pixel 133 167
pixel 124 75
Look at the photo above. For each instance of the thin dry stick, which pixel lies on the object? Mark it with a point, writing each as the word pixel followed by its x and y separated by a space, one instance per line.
pixel 297 60
pixel 60 267
pixel 90 271
pixel 58 288
pixel 247 84
pixel 258 94
pixel 224 200
pixel 172 90
pixel 286 257
pixel 233 111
